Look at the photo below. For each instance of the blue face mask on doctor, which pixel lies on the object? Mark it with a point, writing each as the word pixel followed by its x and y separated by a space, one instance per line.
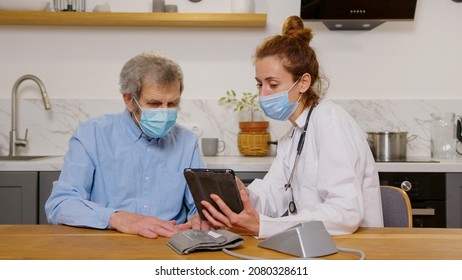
pixel 277 106
pixel 157 122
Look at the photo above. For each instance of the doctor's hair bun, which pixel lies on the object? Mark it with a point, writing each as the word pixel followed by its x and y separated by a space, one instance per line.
pixel 294 27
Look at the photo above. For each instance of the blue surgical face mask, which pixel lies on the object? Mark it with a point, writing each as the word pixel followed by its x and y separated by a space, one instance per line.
pixel 157 122
pixel 277 106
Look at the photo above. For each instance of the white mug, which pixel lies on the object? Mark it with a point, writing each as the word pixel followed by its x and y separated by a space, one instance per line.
pixel 211 146
pixel 242 6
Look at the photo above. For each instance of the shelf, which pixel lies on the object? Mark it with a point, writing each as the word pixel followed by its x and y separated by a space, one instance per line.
pixel 222 20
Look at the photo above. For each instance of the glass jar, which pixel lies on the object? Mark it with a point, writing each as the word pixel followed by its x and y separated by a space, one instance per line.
pixel 69 5
pixel 443 136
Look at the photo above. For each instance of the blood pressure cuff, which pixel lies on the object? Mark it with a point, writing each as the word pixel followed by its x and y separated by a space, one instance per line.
pixel 191 240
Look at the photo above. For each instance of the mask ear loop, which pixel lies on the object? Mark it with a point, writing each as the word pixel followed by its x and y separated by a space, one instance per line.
pixel 136 101
pixel 300 93
pixel 296 82
pixel 139 106
pixel 139 124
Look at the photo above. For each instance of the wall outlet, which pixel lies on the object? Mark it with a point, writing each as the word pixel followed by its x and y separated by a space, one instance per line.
pixel 194 127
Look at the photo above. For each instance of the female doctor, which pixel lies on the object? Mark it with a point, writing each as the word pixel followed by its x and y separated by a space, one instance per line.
pixel 324 169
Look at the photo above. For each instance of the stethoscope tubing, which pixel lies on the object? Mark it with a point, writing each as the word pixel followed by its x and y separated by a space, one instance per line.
pixel 301 142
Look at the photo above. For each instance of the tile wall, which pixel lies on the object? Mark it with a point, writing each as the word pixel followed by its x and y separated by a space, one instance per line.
pixel 49 131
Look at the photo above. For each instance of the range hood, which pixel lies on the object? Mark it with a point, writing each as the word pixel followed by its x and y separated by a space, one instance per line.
pixel 357 14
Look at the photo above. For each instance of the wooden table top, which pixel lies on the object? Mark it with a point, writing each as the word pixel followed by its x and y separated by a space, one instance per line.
pixel 53 242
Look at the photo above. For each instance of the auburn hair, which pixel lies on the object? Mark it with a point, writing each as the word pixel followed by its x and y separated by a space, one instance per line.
pixel 296 55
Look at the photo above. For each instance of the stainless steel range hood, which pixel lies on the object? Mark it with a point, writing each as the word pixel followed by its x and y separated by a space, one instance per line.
pixel 357 14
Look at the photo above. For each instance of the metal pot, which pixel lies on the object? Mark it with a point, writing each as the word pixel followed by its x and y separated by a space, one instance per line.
pixel 389 146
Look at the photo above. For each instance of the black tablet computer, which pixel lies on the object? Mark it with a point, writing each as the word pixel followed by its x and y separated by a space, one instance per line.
pixel 202 182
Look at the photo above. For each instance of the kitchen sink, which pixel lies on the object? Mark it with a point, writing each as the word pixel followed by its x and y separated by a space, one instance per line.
pixel 23 158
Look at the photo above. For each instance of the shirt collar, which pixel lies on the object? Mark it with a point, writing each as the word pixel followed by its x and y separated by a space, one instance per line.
pixel 300 121
pixel 132 130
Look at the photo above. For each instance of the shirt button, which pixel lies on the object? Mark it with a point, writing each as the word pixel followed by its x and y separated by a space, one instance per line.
pixel 145 206
pixel 146 178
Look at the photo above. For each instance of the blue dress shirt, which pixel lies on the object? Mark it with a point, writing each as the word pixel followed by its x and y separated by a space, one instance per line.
pixel 112 166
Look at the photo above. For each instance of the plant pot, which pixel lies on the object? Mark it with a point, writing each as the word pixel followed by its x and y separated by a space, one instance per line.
pixel 253 140
pixel 258 126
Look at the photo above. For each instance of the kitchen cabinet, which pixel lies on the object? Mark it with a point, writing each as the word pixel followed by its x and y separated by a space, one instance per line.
pixel 427 193
pixel 46 179
pixel 221 20
pixel 454 200
pixel 248 176
pixel 23 195
pixel 18 197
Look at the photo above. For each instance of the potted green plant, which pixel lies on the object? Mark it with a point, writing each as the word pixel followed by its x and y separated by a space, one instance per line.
pixel 247 102
pixel 253 138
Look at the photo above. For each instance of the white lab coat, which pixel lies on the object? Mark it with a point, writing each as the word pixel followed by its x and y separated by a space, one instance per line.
pixel 335 181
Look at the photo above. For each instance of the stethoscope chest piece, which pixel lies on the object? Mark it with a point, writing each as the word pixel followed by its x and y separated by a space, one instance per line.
pixel 292 207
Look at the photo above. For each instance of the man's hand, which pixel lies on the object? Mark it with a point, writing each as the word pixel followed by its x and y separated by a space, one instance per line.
pixel 146 226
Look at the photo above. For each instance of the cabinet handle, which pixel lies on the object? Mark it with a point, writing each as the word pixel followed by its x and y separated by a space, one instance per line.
pixel 423 211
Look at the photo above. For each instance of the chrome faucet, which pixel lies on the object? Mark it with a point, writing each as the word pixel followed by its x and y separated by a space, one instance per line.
pixel 15 141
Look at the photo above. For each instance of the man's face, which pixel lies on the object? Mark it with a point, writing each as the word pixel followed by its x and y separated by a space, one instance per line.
pixel 154 96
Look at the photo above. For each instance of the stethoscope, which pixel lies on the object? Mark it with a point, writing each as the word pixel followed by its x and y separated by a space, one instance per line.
pixel 301 141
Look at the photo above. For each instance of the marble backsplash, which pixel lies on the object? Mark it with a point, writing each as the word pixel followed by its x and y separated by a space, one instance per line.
pixel 49 131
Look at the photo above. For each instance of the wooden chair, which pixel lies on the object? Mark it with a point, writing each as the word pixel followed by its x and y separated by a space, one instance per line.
pixel 397 211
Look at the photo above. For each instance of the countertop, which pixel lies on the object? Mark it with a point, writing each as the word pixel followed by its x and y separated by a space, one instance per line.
pixel 53 242
pixel 251 164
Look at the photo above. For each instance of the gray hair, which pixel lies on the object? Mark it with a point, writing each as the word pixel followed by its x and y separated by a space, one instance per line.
pixel 149 69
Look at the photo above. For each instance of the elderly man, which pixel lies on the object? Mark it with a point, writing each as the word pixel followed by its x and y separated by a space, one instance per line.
pixel 124 171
